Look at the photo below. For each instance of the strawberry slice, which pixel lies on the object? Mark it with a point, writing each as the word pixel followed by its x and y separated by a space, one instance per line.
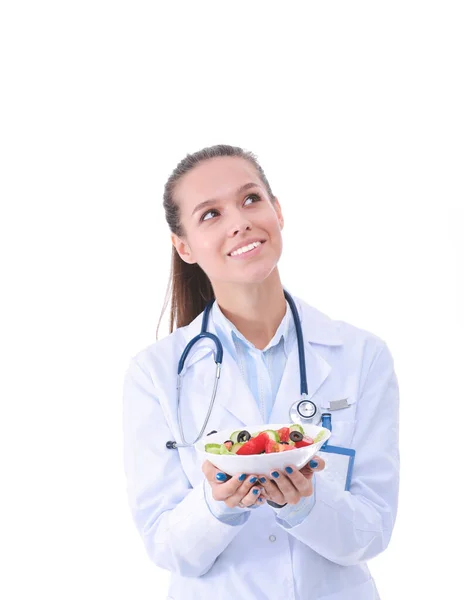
pixel 306 441
pixel 284 434
pixel 254 445
pixel 271 446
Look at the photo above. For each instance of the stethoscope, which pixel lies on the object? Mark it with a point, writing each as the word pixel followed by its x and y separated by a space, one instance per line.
pixel 303 411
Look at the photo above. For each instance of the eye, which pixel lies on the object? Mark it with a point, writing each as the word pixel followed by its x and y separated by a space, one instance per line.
pixel 213 210
pixel 256 196
pixel 204 215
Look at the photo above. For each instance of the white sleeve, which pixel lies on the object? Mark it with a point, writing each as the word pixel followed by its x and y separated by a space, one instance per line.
pixel 232 516
pixel 352 527
pixel 291 515
pixel 173 518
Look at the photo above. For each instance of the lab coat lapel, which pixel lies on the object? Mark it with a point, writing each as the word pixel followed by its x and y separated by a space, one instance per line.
pixel 233 393
pixel 318 329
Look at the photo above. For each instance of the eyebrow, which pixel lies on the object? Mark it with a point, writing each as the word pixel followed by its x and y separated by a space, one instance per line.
pixel 207 203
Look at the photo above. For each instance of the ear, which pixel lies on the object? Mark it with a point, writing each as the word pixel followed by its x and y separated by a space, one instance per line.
pixel 278 210
pixel 183 249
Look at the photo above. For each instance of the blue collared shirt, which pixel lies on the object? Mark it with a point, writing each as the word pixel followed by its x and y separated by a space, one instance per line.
pixel 262 370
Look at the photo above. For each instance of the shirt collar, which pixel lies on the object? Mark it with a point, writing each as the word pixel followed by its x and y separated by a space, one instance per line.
pixel 227 331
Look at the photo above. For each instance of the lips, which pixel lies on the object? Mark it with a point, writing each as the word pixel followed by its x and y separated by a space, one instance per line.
pixel 244 244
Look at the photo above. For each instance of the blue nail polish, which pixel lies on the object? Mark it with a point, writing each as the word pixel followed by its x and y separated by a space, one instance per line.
pixel 253 479
pixel 313 464
pixel 255 491
pixel 262 479
pixel 221 476
pixel 260 499
pixel 289 469
pixel 275 474
pixel 242 477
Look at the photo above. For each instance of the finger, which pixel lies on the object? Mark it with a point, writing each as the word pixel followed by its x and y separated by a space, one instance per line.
pixel 241 491
pixel 317 464
pixel 285 485
pixel 231 488
pixel 209 470
pixel 223 485
pixel 212 474
pixel 271 490
pixel 252 497
pixel 302 484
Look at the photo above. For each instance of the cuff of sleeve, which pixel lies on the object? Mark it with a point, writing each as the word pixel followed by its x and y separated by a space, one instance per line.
pixel 222 512
pixel 292 515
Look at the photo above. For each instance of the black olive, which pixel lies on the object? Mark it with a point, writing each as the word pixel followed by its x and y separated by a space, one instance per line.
pixel 214 431
pixel 296 436
pixel 284 443
pixel 243 436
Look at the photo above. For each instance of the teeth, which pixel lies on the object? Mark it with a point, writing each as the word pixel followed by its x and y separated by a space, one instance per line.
pixel 245 248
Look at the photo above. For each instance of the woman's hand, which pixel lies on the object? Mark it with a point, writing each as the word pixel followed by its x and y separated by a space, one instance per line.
pixel 290 485
pixel 243 489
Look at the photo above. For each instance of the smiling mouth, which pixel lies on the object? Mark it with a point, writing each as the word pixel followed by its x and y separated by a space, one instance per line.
pixel 248 248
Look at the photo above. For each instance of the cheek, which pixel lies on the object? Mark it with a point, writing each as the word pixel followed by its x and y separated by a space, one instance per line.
pixel 207 251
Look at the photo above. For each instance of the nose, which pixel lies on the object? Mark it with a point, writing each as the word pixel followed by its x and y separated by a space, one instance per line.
pixel 239 225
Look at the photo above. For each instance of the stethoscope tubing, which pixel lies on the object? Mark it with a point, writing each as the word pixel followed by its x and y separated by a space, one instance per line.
pixel 218 360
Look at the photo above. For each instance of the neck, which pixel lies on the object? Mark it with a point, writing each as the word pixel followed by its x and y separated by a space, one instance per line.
pixel 255 309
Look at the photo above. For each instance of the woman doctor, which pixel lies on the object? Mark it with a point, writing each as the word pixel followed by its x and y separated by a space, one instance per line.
pixel 285 534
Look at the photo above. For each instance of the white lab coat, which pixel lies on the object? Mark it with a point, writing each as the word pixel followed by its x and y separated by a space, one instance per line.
pixel 324 557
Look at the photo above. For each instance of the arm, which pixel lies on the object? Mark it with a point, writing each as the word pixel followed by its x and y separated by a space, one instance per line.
pixel 174 520
pixel 351 527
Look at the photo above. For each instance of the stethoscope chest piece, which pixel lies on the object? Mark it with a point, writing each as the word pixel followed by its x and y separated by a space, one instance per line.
pixel 305 412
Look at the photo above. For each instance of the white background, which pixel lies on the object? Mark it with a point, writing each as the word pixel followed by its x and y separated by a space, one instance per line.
pixel 354 110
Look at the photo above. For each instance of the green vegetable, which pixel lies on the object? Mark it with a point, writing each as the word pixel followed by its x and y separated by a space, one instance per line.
pixel 319 437
pixel 297 427
pixel 272 434
pixel 213 448
pixel 216 449
pixel 234 435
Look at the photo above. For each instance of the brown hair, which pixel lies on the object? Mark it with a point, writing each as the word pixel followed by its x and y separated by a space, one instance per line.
pixel 189 286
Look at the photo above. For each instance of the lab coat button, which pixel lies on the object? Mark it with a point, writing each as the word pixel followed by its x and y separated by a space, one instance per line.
pixel 272 538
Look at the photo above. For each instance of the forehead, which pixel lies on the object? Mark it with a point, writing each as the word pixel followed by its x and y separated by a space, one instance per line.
pixel 215 178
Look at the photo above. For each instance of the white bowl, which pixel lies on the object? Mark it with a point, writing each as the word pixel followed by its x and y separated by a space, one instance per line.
pixel 260 464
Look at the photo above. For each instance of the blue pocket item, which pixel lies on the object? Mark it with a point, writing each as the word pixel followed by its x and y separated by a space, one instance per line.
pixel 340 460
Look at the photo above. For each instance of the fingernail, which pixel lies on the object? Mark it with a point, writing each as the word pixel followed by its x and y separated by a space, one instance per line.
pixel 260 499
pixel 253 479
pixel 255 491
pixel 313 464
pixel 289 469
pixel 262 479
pixel 221 476
pixel 242 477
pixel 275 474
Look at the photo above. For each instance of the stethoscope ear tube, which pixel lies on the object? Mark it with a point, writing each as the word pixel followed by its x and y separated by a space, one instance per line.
pixel 203 334
pixel 301 350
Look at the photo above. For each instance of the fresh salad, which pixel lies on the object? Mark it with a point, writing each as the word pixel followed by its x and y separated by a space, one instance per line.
pixel 241 442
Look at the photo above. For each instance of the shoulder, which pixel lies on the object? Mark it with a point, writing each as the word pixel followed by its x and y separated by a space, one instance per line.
pixel 323 329
pixel 162 357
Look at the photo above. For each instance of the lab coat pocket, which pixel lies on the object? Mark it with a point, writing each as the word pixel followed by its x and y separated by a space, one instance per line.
pixel 342 433
pixel 343 419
